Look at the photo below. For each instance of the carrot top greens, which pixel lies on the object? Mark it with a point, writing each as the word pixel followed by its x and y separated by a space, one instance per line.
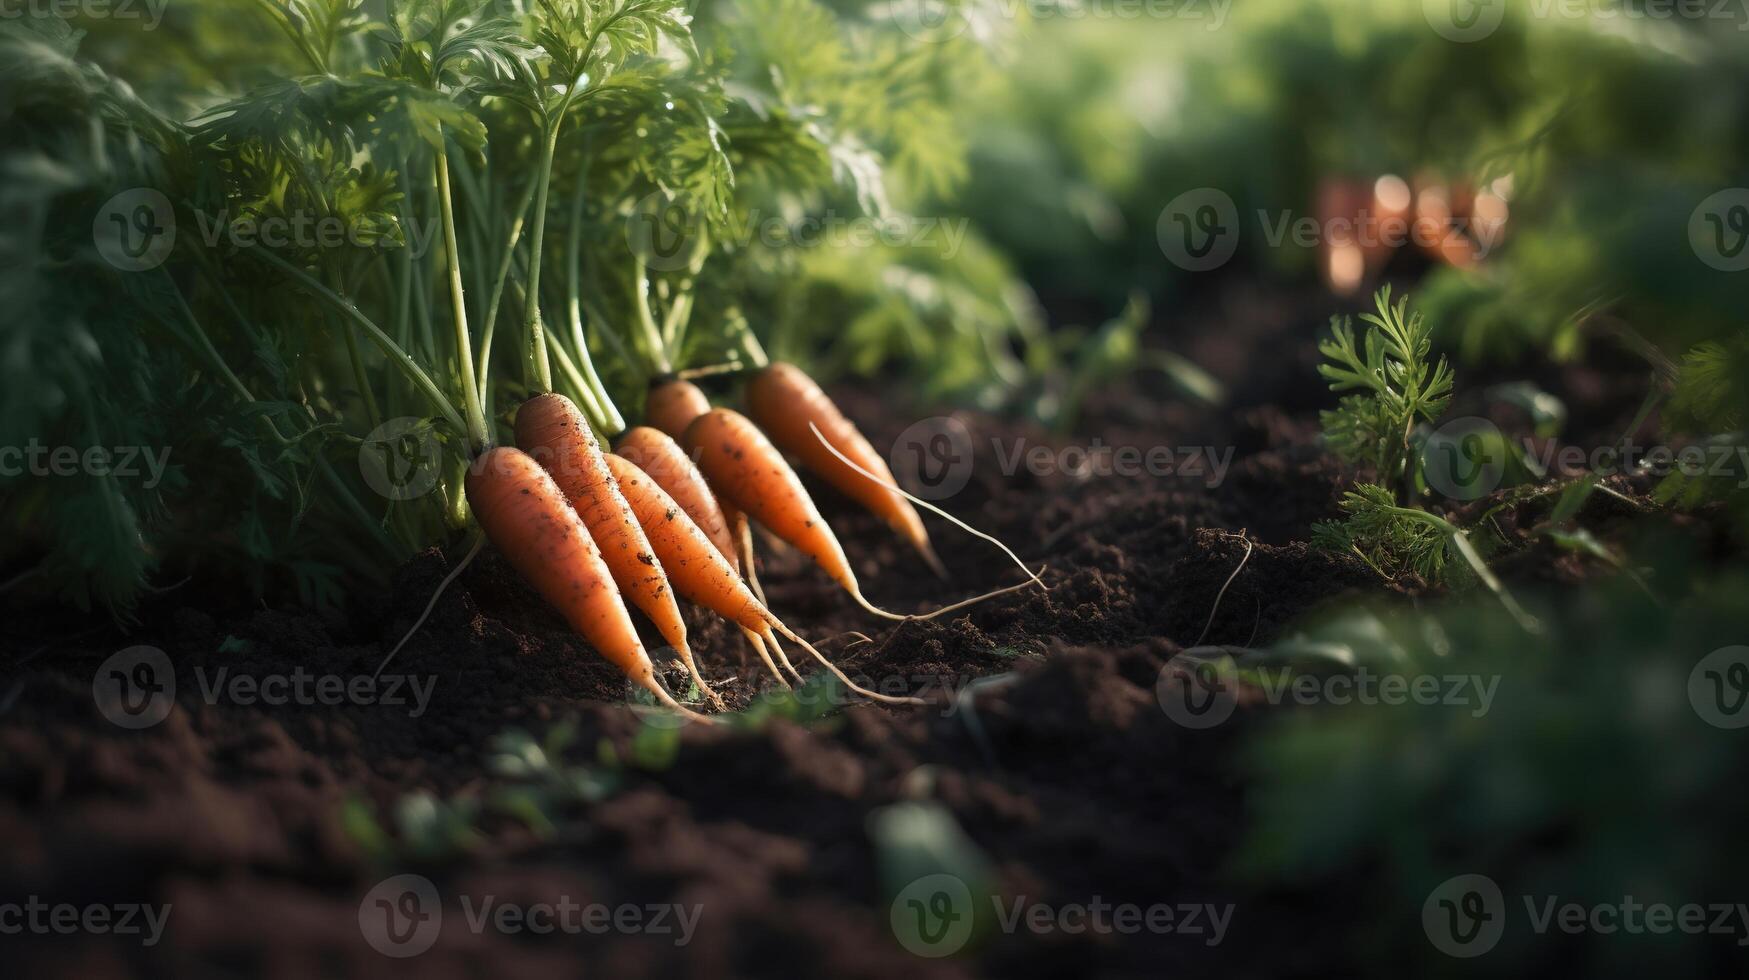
pixel 316 250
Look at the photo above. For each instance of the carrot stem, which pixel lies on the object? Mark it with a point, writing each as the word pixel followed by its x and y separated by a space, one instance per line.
pixel 204 344
pixel 478 435
pixel 543 369
pixel 652 334
pixel 516 223
pixel 609 419
pixel 400 357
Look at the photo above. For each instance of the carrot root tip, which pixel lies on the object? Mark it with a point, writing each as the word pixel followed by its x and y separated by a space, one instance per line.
pixel 933 560
pixel 782 657
pixel 668 701
pixel 843 677
pixel 759 646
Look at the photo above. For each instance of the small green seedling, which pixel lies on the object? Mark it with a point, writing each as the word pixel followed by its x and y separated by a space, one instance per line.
pixel 1403 387
pixel 1399 387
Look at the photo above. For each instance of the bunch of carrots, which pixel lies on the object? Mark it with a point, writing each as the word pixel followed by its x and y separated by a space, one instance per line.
pixel 667 514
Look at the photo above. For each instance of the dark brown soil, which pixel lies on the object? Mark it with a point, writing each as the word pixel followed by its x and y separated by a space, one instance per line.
pixel 1066 774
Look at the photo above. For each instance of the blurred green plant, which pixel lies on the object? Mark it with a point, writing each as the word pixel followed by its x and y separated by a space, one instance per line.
pixel 1565 786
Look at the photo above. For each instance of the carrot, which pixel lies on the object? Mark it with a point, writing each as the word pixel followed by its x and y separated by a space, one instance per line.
pixel 527 516
pixel 699 571
pixel 747 471
pixel 787 405
pixel 672 403
pixel 666 463
pixel 551 429
pixel 712 583
pixel 669 465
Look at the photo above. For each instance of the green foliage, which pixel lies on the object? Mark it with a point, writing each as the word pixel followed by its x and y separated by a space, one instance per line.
pixel 1401 387
pixel 1381 534
pixel 1592 737
pixel 540 786
pixel 1710 400
pixel 1709 395
pixel 262 364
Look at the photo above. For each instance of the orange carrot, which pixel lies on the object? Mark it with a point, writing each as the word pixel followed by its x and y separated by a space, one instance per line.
pixel 700 573
pixel 784 401
pixel 695 567
pixel 666 463
pixel 526 515
pixel 551 429
pixel 747 471
pixel 672 404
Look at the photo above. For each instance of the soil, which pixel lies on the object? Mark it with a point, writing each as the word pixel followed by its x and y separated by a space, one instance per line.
pixel 1060 766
